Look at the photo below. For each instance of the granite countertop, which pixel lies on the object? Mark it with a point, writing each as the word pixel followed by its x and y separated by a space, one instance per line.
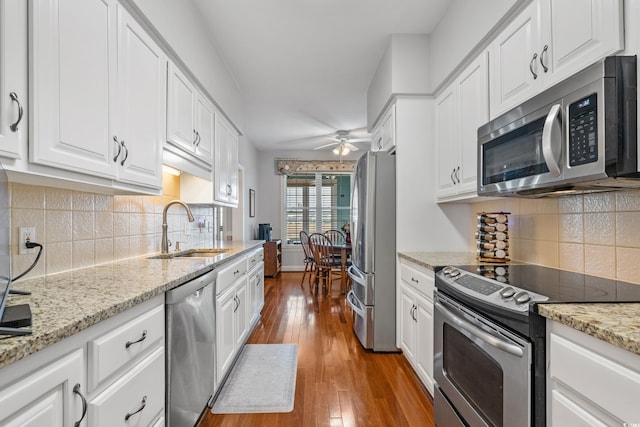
pixel 615 323
pixel 66 303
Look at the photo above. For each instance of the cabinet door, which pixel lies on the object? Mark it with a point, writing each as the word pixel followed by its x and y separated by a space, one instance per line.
pixel 13 77
pixel 389 130
pixel 376 138
pixel 181 98
pixel 424 341
pixel 142 97
pixel 473 95
pixel 447 142
pixel 577 33
pixel 225 337
pixel 73 88
pixel 260 289
pixel 243 313
pixel 46 397
pixel 232 168
pixel 252 291
pixel 221 166
pixel 407 323
pixel 513 67
pixel 205 118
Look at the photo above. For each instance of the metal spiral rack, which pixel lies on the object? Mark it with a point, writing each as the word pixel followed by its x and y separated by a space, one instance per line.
pixel 492 236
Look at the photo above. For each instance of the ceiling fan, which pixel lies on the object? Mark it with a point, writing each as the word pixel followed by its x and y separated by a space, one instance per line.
pixel 344 141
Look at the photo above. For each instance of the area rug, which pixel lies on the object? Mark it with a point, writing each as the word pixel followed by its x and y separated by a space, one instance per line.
pixel 263 380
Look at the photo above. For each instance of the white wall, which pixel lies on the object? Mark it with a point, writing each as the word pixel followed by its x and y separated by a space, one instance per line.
pixel 248 157
pixel 268 197
pixel 181 27
pixel 464 26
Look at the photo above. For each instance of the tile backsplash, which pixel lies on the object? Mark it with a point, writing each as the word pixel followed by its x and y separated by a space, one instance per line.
pixel 597 234
pixel 79 229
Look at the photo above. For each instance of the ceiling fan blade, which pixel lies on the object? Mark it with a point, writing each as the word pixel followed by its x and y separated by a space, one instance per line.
pixel 351 147
pixel 360 140
pixel 325 146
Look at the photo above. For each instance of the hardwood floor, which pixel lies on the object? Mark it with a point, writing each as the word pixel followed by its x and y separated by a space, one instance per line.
pixel 338 382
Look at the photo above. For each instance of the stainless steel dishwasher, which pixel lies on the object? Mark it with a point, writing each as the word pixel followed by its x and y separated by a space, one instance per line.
pixel 190 311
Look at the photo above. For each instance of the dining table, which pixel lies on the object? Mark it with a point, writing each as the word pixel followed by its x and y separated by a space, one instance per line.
pixel 344 250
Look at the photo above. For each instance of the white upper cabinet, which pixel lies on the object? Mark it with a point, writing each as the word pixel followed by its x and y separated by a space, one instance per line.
pixel 98 92
pixel 384 134
pixel 549 41
pixel 225 173
pixel 142 104
pixel 190 121
pixel 13 78
pixel 460 110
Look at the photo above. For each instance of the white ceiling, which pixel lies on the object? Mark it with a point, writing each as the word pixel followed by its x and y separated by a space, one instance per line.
pixel 303 66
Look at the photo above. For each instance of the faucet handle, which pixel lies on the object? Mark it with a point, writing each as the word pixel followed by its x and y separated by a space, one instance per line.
pixel 169 244
pixel 177 246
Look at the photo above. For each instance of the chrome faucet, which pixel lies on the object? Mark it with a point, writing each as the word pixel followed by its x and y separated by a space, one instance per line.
pixel 165 239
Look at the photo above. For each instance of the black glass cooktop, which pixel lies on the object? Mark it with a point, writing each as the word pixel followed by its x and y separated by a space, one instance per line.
pixel 559 285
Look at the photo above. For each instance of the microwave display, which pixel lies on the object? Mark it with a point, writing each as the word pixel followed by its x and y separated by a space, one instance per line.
pixel 583 131
pixel 517 154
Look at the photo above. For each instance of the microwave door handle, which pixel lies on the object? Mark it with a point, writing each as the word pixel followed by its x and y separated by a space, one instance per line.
pixel 552 140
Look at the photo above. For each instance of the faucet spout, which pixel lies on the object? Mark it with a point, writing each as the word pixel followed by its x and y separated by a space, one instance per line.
pixel 165 239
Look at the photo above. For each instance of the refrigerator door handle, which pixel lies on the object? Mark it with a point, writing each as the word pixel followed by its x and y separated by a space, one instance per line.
pixel 355 274
pixel 355 304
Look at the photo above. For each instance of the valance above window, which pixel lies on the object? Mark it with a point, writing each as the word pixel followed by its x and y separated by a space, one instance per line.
pixel 288 166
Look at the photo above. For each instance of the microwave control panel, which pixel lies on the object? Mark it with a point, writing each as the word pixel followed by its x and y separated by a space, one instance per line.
pixel 583 131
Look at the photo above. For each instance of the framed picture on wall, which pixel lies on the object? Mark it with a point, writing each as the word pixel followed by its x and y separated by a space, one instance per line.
pixel 252 203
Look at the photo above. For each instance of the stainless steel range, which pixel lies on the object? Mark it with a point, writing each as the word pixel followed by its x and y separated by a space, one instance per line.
pixel 489 362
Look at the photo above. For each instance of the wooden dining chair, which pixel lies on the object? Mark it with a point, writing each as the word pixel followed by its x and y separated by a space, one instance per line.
pixel 326 263
pixel 336 236
pixel 309 265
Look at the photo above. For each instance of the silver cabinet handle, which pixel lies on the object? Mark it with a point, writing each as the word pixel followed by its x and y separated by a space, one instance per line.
pixel 380 144
pixel 142 338
pixel 414 280
pixel 142 406
pixel 115 158
pixel 533 60
pixel 198 139
pixel 228 190
pixel 453 180
pixel 545 49
pixel 195 137
pixel 126 153
pixel 14 98
pixel 457 174
pixel 76 390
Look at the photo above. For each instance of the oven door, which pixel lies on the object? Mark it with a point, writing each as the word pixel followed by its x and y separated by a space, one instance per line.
pixel 483 370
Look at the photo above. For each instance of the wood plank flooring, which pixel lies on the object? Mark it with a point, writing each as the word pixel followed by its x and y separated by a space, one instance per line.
pixel 338 382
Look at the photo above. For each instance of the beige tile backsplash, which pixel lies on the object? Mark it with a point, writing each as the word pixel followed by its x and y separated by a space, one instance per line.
pixel 80 229
pixel 597 234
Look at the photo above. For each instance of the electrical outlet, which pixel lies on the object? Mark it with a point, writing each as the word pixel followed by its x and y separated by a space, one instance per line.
pixel 26 234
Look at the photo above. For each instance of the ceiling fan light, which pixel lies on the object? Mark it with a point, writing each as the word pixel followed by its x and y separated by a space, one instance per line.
pixel 345 150
pixel 336 151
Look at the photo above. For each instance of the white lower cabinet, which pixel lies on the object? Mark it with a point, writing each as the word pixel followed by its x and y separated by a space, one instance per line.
pixel 113 368
pixel 46 397
pixel 415 319
pixel 589 382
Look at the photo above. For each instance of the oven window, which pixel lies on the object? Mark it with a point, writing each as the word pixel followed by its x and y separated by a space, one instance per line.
pixel 474 373
pixel 517 154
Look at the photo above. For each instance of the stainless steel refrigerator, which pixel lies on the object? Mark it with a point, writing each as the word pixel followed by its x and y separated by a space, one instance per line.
pixel 373 269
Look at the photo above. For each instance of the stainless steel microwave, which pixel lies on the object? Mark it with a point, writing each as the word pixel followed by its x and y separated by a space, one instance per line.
pixel 580 135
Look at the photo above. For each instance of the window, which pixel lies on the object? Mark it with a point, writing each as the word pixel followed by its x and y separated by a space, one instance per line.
pixel 315 203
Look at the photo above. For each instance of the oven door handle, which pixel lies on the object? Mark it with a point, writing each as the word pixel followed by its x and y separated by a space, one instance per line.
pixel 476 331
pixel 552 140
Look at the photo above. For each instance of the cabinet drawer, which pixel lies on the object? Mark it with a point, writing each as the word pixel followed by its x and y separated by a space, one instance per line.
pixel 227 275
pixel 110 352
pixel 142 387
pixel 610 385
pixel 254 258
pixel 422 280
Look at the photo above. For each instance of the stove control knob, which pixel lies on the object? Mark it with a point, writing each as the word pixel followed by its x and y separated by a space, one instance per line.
pixel 454 272
pixel 446 270
pixel 507 292
pixel 522 297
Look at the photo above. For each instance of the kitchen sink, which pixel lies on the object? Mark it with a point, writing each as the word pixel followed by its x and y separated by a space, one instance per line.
pixel 192 253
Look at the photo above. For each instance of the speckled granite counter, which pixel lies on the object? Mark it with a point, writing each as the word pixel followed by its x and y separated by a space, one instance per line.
pixel 66 303
pixel 431 260
pixel 617 324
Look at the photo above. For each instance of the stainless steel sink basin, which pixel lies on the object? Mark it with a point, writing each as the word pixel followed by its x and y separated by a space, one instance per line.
pixel 192 253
